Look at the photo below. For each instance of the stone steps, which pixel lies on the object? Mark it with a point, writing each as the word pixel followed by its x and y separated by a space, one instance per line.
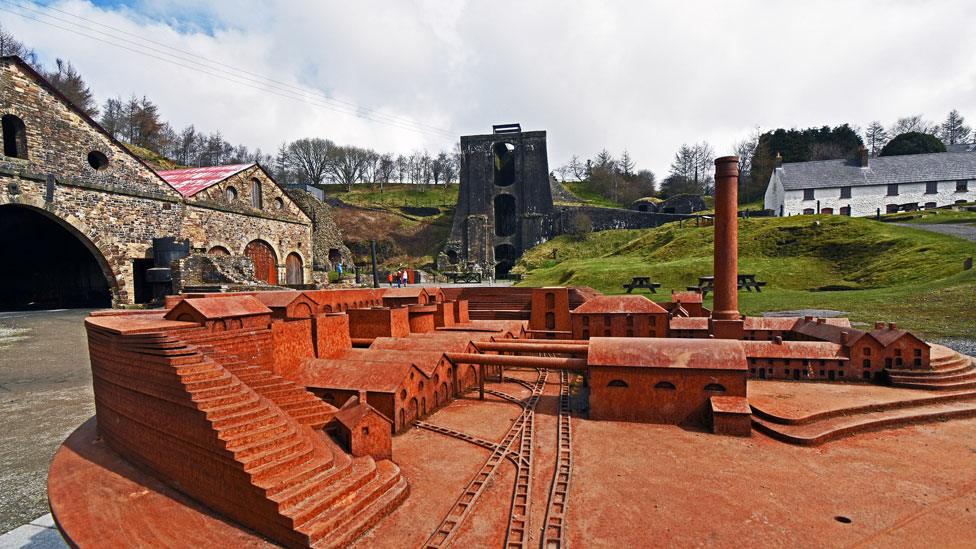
pixel 820 431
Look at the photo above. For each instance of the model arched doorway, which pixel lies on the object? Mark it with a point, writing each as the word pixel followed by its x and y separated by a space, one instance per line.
pixel 294 269
pixel 265 261
pixel 48 264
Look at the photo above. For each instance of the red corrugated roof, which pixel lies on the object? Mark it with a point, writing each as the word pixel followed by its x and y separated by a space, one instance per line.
pixel 190 181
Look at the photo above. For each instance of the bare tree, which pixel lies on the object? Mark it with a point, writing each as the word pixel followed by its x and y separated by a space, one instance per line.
pixel 9 45
pixel 693 164
pixel 311 156
pixel 346 164
pixel 875 137
pixel 914 123
pixel 954 130
pixel 577 168
pixel 402 168
pixel 385 169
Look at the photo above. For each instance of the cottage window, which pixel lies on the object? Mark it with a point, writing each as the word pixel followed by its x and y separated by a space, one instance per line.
pixel 550 300
pixel 845 192
pixel 807 194
pixel 962 186
pixel 808 211
pixel 893 189
pixel 618 383
pixel 932 187
pixel 897 352
pixel 14 137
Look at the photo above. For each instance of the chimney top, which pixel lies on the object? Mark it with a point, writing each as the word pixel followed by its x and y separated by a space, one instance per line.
pixel 892 326
pixel 362 396
pixel 862 156
pixel 821 321
pixel 845 338
pixel 778 161
pixel 879 325
pixel 778 340
pixel 808 318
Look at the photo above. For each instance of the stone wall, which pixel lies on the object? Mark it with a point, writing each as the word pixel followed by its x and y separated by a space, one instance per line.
pixel 116 208
pixel 326 236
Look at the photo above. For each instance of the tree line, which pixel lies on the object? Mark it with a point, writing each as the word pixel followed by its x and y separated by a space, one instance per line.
pixel 615 179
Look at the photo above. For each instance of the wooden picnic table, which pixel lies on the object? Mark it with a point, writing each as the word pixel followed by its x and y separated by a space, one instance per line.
pixel 644 282
pixel 707 284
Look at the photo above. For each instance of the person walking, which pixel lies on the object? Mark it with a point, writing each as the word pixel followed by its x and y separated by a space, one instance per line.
pixel 389 278
pixel 339 269
pixel 405 278
pixel 397 276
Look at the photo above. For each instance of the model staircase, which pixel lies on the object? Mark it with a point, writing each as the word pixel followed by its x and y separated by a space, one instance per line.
pixel 245 456
pixel 952 376
pixel 238 355
pixel 949 371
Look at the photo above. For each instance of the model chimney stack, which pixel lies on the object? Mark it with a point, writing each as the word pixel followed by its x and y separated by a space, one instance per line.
pixel 726 322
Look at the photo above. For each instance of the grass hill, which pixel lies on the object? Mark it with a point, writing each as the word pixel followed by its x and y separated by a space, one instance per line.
pixel 410 223
pixel 874 271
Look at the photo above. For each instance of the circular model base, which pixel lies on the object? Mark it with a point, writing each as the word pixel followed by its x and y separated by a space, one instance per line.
pixel 100 500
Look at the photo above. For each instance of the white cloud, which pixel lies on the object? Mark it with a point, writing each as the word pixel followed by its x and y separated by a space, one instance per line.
pixel 645 76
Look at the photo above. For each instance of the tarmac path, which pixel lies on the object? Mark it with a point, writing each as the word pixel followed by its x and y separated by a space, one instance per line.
pixel 45 393
pixel 962 230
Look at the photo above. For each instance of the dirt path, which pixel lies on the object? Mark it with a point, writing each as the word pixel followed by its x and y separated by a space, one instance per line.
pixel 962 230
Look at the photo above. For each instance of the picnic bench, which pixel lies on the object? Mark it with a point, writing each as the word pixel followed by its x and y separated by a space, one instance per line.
pixel 707 284
pixel 644 282
pixel 465 277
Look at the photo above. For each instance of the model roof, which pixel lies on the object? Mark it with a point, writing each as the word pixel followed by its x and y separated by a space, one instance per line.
pixel 882 170
pixel 699 354
pixel 278 299
pixel 425 360
pixel 811 350
pixel 377 377
pixel 220 307
pixel 608 304
pixel 190 181
pixel 689 323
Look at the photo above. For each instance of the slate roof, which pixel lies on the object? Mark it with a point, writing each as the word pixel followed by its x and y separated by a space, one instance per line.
pixel 190 181
pixel 882 170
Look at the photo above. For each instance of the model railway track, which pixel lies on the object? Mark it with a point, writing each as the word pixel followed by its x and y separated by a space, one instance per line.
pixel 522 382
pixel 446 431
pixel 462 508
pixel 521 402
pixel 554 526
pixel 517 535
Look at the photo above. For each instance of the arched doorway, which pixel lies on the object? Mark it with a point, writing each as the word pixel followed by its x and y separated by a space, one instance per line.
pixel 294 272
pixel 505 256
pixel 48 264
pixel 265 261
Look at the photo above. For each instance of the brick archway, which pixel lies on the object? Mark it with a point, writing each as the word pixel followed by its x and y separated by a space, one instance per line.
pixel 265 261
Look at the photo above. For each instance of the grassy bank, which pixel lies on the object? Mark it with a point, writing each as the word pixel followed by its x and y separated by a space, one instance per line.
pixel 874 271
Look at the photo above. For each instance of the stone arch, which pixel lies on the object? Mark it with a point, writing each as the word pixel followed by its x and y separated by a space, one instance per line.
pixel 294 269
pixel 505 256
pixel 218 250
pixel 265 260
pixel 506 215
pixel 14 136
pixel 504 163
pixel 70 230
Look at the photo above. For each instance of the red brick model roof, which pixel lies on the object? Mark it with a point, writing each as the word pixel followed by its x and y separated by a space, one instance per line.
pixel 425 360
pixel 811 350
pixel 887 336
pixel 409 291
pixel 353 414
pixel 686 297
pixel 779 323
pixel 277 299
pixel 701 354
pixel 689 323
pixel 617 304
pixel 190 181
pixel 219 307
pixel 355 375
pixel 826 331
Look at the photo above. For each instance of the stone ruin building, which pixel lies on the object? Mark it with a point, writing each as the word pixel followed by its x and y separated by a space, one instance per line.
pixel 256 417
pixel 79 212
pixel 505 202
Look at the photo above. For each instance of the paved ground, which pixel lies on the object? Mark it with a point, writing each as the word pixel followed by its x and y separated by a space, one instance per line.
pixel 45 393
pixel 962 230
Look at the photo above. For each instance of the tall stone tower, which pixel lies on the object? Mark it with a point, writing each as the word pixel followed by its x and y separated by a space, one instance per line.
pixel 504 202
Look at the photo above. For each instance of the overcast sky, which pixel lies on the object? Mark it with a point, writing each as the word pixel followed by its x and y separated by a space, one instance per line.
pixel 645 76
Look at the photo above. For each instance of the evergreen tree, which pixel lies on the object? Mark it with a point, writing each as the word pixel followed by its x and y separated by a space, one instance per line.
pixel 954 130
pixel 875 137
pixel 66 80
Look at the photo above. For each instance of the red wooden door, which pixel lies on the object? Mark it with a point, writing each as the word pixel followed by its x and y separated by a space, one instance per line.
pixel 265 261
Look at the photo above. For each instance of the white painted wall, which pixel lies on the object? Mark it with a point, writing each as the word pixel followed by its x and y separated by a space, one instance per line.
pixel 864 200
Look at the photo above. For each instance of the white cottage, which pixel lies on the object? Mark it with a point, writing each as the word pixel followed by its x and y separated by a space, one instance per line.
pixel 863 186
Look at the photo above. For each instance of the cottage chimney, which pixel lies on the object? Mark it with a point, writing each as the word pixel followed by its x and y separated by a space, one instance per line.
pixel 892 326
pixel 777 340
pixel 879 325
pixel 362 396
pixel 778 161
pixel 821 321
pixel 808 319
pixel 845 338
pixel 862 156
